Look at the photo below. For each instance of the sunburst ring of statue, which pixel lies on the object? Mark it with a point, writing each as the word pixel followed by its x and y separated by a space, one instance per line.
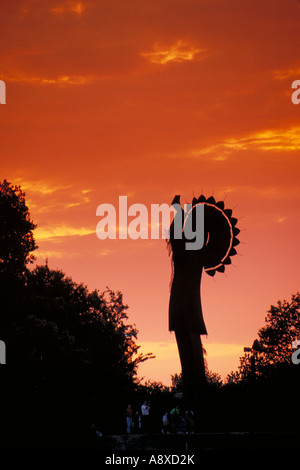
pixel 220 233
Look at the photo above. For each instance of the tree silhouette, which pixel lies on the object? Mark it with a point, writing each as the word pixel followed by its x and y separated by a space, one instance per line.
pixel 16 246
pixel 71 353
pixel 282 328
pixel 16 231
pixel 267 381
pixel 276 337
pixel 70 328
pixel 213 380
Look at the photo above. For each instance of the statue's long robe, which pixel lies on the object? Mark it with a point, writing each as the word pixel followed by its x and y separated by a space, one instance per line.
pixel 185 310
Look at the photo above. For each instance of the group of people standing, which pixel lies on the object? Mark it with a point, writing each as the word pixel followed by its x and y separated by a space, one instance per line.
pixel 175 421
pixel 139 421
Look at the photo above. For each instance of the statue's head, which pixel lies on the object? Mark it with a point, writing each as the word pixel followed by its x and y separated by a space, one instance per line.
pixel 213 247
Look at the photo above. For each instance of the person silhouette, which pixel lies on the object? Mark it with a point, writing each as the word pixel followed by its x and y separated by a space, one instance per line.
pixel 129 413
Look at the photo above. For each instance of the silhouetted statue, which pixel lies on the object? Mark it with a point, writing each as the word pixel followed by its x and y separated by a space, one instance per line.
pixel 185 311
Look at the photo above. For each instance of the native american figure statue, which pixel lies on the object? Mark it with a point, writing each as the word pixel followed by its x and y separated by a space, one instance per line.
pixel 185 311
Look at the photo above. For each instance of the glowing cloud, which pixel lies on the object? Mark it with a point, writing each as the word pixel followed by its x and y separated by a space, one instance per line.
pixel 284 140
pixel 62 80
pixel 287 73
pixel 39 186
pixel 73 7
pixel 61 230
pixel 178 52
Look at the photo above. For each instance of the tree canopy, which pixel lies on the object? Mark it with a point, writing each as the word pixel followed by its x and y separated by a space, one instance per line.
pixel 68 348
pixel 16 231
pixel 70 328
pixel 48 315
pixel 281 329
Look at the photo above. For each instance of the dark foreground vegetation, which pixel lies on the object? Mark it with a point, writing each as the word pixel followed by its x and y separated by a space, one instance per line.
pixel 72 359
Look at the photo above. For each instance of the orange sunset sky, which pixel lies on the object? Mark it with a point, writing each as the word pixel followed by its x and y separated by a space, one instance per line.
pixel 152 98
